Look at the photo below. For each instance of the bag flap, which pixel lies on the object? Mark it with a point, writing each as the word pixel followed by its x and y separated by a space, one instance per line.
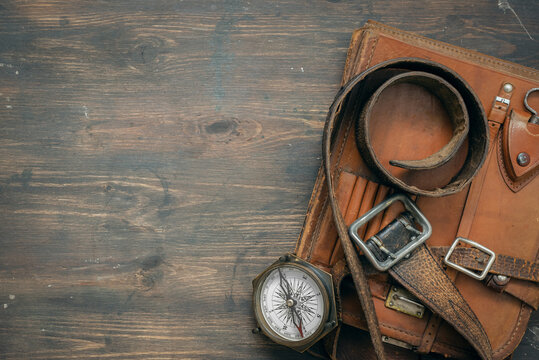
pixel 519 161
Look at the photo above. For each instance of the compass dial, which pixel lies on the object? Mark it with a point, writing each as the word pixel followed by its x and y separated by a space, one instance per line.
pixel 292 303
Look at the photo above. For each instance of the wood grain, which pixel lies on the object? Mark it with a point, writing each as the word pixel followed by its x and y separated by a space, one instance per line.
pixel 156 155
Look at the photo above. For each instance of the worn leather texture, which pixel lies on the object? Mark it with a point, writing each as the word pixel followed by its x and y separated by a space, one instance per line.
pixel 518 137
pixel 419 273
pixel 475 259
pixel 461 110
pixel 410 123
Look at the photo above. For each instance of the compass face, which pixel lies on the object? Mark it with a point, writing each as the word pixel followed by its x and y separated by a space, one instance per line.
pixel 292 303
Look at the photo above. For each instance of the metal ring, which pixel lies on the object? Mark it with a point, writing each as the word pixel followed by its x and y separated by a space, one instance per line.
pixel 426 231
pixel 528 107
pixel 462 269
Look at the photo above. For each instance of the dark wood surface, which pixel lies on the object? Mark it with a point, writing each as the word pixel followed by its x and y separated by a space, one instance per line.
pixel 155 156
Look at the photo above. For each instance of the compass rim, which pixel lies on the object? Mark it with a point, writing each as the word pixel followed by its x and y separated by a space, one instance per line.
pixel 300 345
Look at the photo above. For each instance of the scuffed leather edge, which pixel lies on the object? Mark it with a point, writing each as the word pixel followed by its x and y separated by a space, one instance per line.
pixel 516 336
pixel 515 186
pixel 305 242
pixel 456 51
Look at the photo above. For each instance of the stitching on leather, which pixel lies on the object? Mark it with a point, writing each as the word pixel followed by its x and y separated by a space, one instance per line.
pixel 372 51
pixel 358 55
pixel 515 186
pixel 478 57
pixel 316 232
pixel 347 133
pixel 436 308
pixel 310 207
pixel 353 50
pixel 429 336
pixel 515 329
pixel 337 240
pixel 345 139
pixel 501 166
pixel 458 291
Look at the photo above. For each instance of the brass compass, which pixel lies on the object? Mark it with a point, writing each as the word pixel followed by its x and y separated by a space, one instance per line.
pixel 294 303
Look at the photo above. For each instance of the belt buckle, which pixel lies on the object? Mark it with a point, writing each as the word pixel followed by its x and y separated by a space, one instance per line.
pixel 462 269
pixel 393 258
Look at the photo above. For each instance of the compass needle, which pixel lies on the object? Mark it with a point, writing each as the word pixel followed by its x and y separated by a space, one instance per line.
pixel 297 323
pixel 293 304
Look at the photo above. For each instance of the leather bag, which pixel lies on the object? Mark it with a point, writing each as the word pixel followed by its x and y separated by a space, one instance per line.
pixel 448 129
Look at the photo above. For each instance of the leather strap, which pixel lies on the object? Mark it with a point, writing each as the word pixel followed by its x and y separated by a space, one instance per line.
pixel 452 102
pixel 423 276
pixel 420 274
pixel 465 113
pixel 431 330
pixel 475 259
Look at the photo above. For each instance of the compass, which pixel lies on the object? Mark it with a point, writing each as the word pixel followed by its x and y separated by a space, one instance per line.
pixel 294 303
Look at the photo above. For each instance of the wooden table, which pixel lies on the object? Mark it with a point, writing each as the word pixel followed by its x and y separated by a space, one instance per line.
pixel 156 155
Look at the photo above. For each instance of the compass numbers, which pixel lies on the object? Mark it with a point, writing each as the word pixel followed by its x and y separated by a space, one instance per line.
pixel 292 303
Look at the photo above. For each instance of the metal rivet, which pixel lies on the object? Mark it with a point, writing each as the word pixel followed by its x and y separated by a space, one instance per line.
pixel 391 303
pixel 418 313
pixel 329 324
pixel 508 87
pixel 501 280
pixel 523 159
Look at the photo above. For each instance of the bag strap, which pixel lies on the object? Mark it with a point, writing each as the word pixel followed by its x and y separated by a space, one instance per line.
pixel 420 273
pixel 505 265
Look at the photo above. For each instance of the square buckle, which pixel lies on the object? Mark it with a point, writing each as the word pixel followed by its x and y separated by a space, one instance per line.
pixel 393 258
pixel 463 269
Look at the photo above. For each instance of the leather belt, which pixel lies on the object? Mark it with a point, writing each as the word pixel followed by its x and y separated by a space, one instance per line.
pixel 419 272
pixel 505 265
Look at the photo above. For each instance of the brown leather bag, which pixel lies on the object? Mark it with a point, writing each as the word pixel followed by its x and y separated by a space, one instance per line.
pixel 405 97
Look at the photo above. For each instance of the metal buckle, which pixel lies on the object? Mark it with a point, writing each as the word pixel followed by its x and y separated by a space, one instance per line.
pixel 393 258
pixel 463 269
